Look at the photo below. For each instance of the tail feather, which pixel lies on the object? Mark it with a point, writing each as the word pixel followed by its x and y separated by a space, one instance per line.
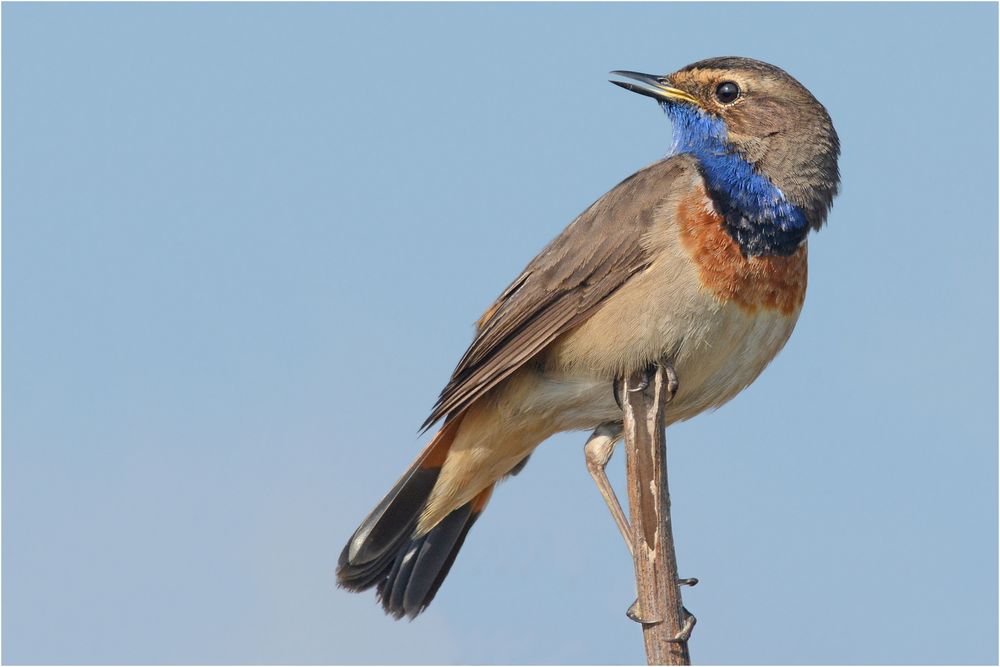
pixel 392 520
pixel 425 562
pixel 384 551
pixel 362 576
pixel 375 543
pixel 476 508
pixel 450 560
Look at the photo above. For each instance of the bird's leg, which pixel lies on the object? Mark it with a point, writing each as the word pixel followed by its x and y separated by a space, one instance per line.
pixel 598 450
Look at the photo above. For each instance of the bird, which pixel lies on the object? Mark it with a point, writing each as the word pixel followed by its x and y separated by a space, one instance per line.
pixel 697 262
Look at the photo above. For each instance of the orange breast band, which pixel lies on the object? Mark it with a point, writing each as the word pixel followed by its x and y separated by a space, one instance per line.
pixel 752 283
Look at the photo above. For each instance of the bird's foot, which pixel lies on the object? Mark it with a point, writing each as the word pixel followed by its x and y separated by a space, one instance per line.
pixel 672 383
pixel 644 377
pixel 680 637
pixel 689 619
pixel 685 633
pixel 633 614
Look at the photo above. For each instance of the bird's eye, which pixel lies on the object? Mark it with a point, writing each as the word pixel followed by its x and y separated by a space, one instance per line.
pixel 727 92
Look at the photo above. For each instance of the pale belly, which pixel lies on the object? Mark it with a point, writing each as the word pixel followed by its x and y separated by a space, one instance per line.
pixel 725 361
pixel 716 349
pixel 718 360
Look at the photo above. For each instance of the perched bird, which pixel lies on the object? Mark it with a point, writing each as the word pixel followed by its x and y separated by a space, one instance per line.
pixel 697 261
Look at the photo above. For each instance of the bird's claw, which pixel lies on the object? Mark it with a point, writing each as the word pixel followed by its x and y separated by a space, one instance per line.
pixel 685 633
pixel 633 614
pixel 672 385
pixel 689 619
pixel 645 376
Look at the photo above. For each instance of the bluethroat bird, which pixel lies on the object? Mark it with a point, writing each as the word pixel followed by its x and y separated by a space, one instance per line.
pixel 697 261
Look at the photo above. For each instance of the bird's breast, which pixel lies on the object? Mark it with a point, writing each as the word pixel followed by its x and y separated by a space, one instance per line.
pixel 720 316
pixel 764 283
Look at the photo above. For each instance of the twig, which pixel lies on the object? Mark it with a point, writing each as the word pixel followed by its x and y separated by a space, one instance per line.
pixel 665 622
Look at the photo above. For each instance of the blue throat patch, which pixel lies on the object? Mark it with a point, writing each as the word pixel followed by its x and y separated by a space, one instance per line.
pixel 756 213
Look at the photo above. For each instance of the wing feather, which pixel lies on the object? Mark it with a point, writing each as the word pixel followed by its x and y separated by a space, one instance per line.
pixel 594 256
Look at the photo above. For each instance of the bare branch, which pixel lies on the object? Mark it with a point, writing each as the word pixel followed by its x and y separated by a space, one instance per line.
pixel 666 625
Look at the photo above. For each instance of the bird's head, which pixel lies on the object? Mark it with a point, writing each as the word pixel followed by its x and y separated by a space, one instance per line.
pixel 729 109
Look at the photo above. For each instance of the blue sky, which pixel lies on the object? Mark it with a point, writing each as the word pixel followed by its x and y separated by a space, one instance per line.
pixel 233 234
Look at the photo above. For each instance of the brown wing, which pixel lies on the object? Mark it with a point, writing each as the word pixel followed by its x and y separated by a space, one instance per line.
pixel 580 268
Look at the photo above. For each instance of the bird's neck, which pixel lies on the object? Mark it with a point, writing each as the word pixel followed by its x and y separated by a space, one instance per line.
pixel 756 213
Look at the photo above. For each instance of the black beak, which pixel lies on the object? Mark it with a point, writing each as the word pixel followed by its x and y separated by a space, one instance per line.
pixel 657 87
